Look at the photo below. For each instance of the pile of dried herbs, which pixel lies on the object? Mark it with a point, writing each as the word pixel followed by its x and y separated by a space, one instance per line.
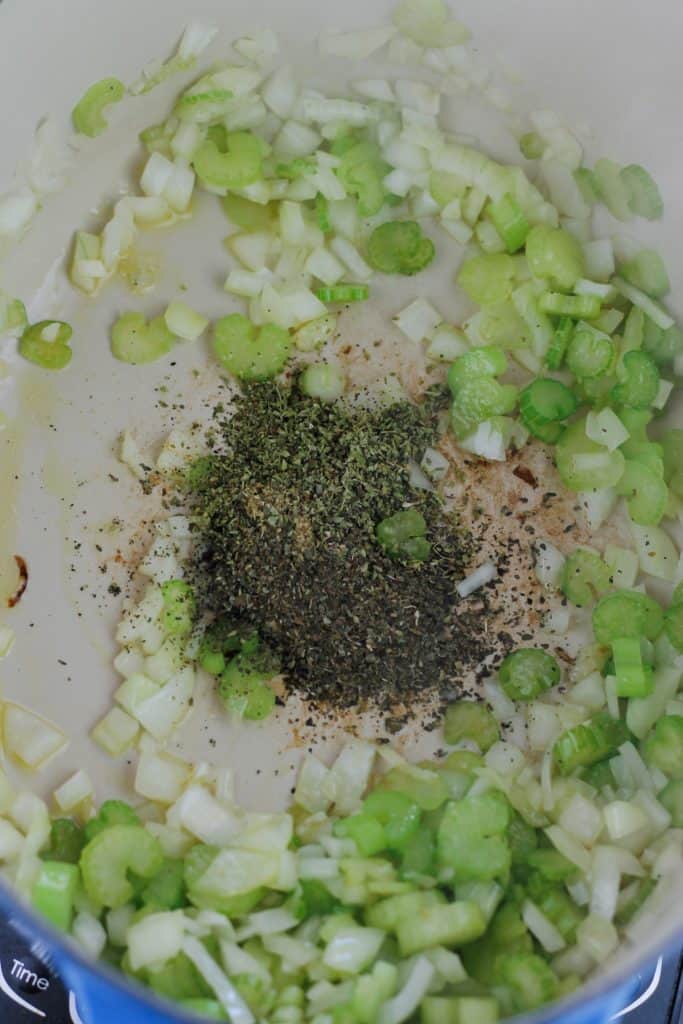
pixel 288 503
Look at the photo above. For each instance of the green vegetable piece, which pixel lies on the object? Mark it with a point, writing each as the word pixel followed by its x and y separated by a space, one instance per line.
pixel 396 812
pixel 479 399
pixel 452 924
pixel 208 1009
pixel 522 840
pixel 362 172
pixel 157 137
pixel 529 979
pixel 588 743
pixel 365 830
pixel 297 168
pixel 343 293
pixel 471 721
pixel 579 307
pixel 673 625
pixel 672 454
pixel 112 812
pixel 238 167
pixel 418 855
pixel 166 890
pixel 66 841
pixel 555 255
pixel 628 911
pixel 585 577
pixel 546 401
pixel 403 535
pixel 177 979
pixel 107 859
pixel 87 115
pixel 588 185
pixel 249 352
pixel 427 792
pixel 612 189
pixel 323 381
pixel 322 213
pixel 579 473
pixel 634 679
pixel 487 361
pixel 243 688
pixel 471 838
pixel 465 1009
pixel 639 381
pixel 46 344
pixel 444 187
pixel 54 892
pixel 399 247
pixel 135 341
pixel 528 672
pixel 248 215
pixel 627 614
pixel 488 279
pixel 644 197
pixel 197 862
pixel 551 866
pixel 645 491
pixel 371 991
pixel 590 353
pixel 662 345
pixel 387 914
pixel 671 797
pixel 647 271
pixel 180 608
pixel 509 221
pixel 531 146
pixel 663 747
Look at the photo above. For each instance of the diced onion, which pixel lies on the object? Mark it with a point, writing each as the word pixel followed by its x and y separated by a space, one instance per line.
pixel 30 739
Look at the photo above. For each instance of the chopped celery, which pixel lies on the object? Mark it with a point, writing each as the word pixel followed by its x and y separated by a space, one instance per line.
pixel 112 812
pixel 87 115
pixel 584 465
pixel 644 198
pixel 634 679
pixel 47 344
pixel 343 293
pixel 237 167
pixel 564 331
pixel 366 832
pixel 362 172
pixel 323 381
pixel 627 613
pixel 673 625
pixel 478 399
pixel 545 401
pixel 671 797
pixel 528 672
pixel 389 913
pixel 471 838
pixel 663 747
pixel 509 221
pixel 555 255
pixel 488 279
pixel 403 535
pixel 248 215
pixel 107 859
pixel 590 353
pixel 646 270
pixel 451 924
pixel 584 577
pixel 249 352
pixel 486 361
pixel 426 788
pixel 588 743
pixel 579 307
pixel 135 341
pixel 529 979
pixel 243 685
pixel 54 892
pixel 531 146
pixel 638 381
pixel 178 614
pixel 645 491
pixel 418 855
pixel 662 345
pixel 207 1009
pixel 166 890
pixel 396 812
pixel 470 720
pixel 66 841
pixel 399 247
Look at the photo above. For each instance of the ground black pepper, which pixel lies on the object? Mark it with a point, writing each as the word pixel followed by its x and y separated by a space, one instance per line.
pixel 287 506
